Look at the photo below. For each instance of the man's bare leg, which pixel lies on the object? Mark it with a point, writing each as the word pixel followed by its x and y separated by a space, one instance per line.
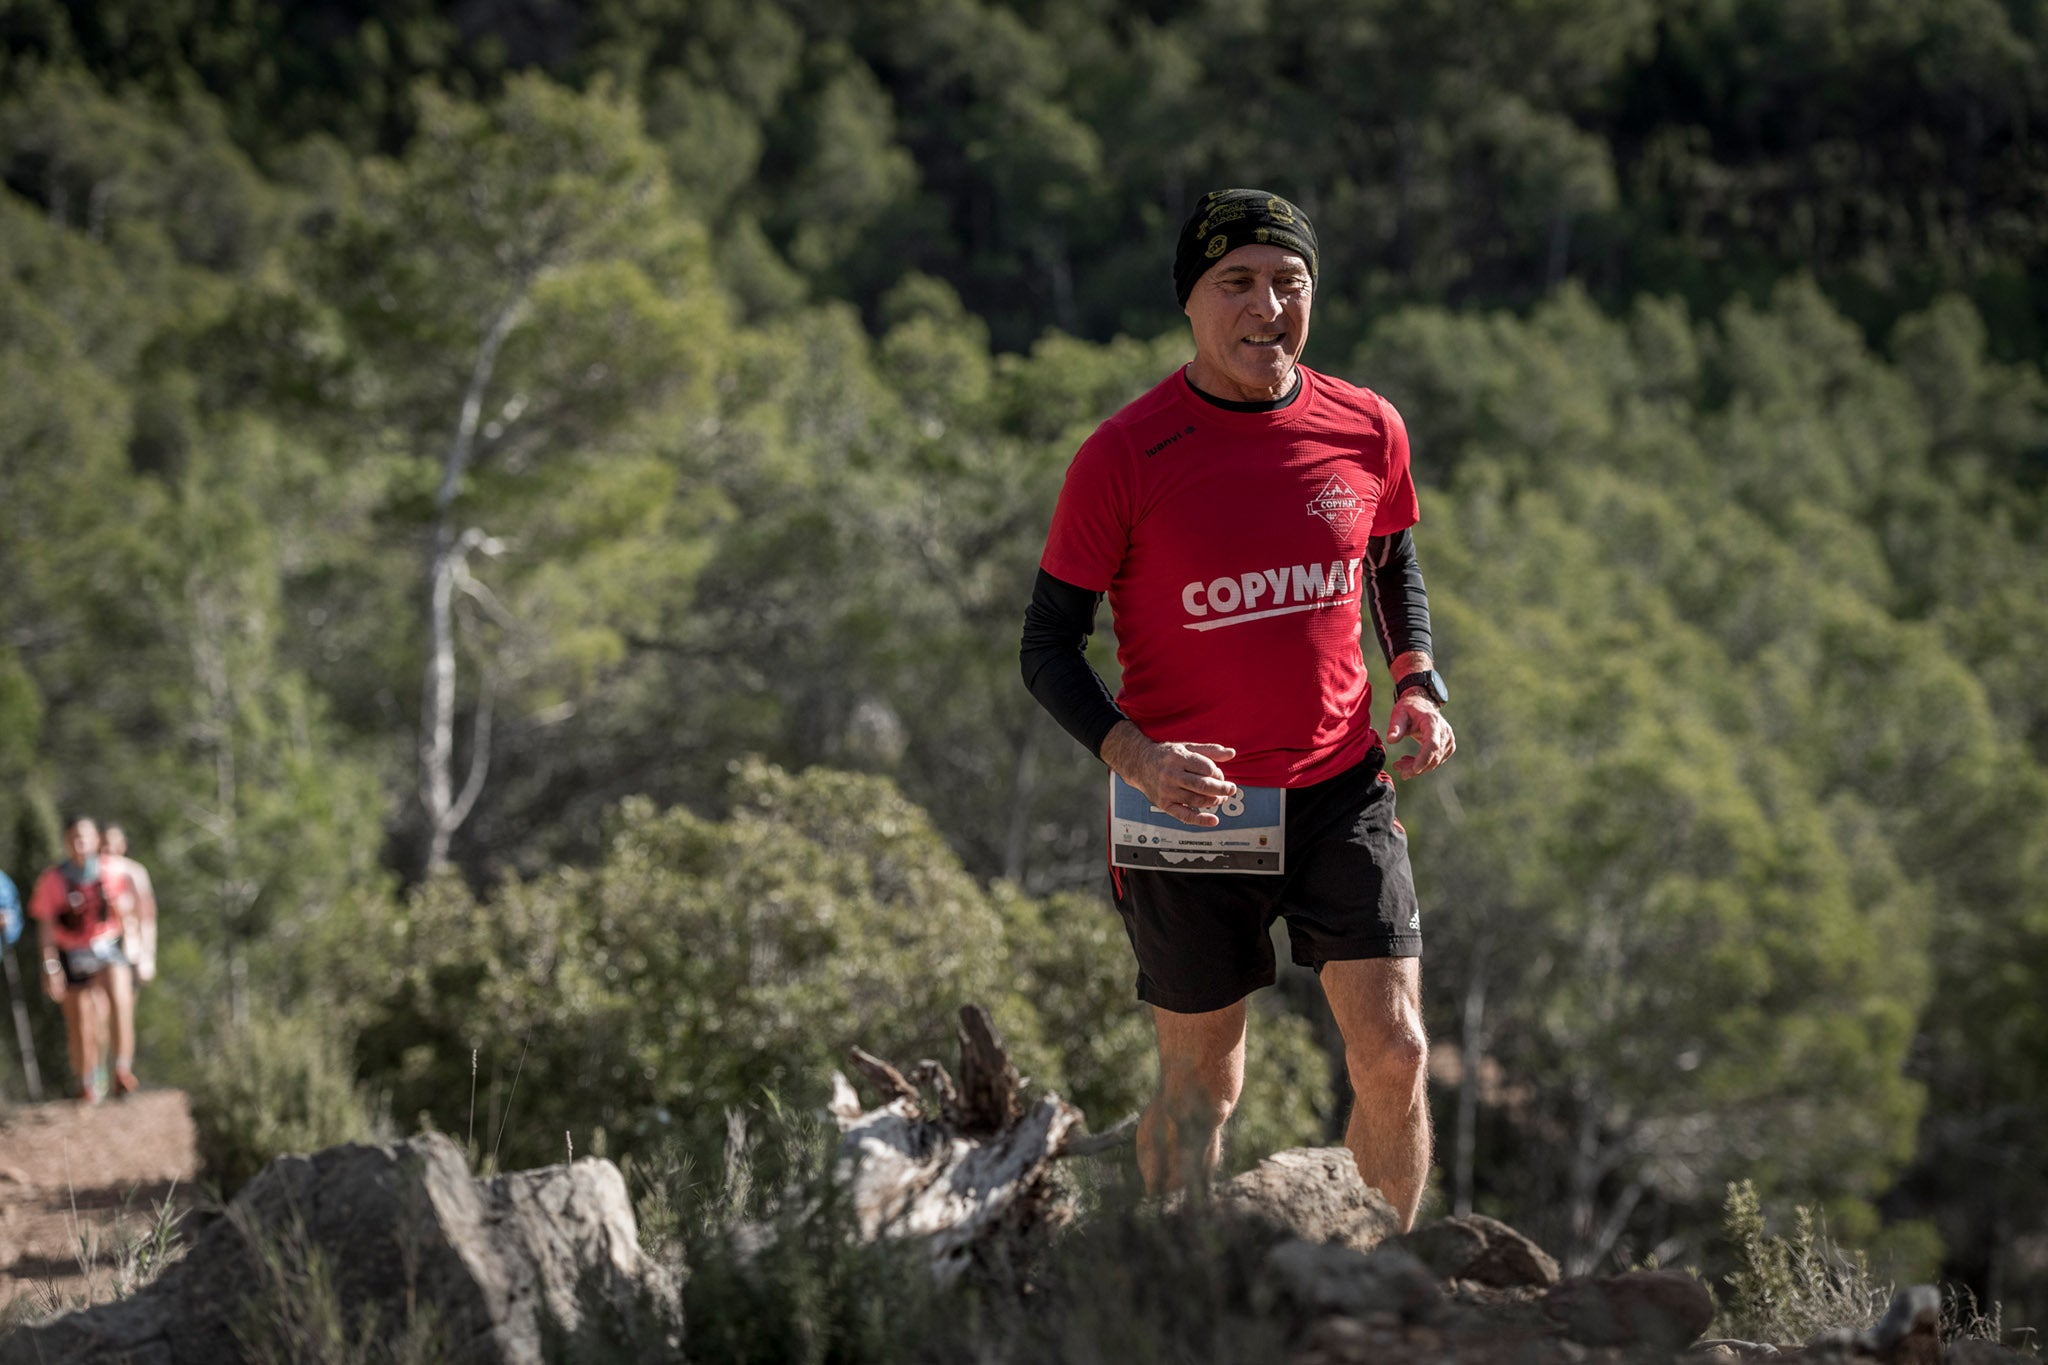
pixel 1201 1074
pixel 120 989
pixel 77 1032
pixel 1378 1004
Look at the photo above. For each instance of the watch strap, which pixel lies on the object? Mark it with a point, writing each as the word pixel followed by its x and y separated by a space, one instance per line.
pixel 1426 681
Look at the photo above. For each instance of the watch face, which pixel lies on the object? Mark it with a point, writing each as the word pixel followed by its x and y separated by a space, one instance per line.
pixel 1429 682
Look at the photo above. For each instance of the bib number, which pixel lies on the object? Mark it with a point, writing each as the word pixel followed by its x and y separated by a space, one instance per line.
pixel 1250 836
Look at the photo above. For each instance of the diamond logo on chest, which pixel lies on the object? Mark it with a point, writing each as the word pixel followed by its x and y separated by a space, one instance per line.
pixel 1336 504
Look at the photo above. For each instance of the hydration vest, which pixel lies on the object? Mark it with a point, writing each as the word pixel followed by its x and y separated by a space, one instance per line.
pixel 88 911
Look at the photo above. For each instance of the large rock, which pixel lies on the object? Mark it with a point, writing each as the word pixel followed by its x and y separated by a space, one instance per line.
pixel 1483 1250
pixel 1303 1281
pixel 1315 1193
pixel 538 1265
pixel 1661 1309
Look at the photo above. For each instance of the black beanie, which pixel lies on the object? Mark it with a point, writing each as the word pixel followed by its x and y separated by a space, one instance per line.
pixel 1224 220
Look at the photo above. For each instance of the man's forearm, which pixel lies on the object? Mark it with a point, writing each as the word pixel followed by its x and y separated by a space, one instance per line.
pixel 1414 661
pixel 1122 748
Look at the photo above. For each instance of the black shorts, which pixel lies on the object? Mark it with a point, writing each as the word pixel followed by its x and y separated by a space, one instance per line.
pixel 1203 939
pixel 83 964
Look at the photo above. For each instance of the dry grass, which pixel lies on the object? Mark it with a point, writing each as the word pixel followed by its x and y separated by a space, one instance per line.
pixel 114 1260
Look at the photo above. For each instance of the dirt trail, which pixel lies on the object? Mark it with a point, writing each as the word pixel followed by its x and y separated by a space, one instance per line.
pixel 70 1174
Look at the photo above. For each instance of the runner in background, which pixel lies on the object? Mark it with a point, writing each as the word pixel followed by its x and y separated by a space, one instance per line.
pixel 11 923
pixel 141 949
pixel 84 911
pixel 10 912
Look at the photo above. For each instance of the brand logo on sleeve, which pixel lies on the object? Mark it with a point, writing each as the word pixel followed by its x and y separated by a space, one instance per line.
pixel 1336 504
pixel 1171 437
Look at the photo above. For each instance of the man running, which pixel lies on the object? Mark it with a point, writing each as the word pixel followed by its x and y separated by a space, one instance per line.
pixel 85 910
pixel 1237 516
pixel 142 949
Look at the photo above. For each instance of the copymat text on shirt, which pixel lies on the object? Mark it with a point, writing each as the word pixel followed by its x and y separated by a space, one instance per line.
pixel 1301 587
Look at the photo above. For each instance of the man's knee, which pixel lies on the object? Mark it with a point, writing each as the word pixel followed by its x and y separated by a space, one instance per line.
pixel 1393 1056
pixel 1201 1091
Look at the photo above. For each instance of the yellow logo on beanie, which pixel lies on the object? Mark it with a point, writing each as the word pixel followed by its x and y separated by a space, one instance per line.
pixel 1217 245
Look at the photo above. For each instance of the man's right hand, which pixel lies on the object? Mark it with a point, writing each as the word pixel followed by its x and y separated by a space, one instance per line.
pixel 1181 779
pixel 53 986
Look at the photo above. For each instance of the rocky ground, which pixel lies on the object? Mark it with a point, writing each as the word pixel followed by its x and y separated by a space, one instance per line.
pixel 78 1182
pixel 1297 1255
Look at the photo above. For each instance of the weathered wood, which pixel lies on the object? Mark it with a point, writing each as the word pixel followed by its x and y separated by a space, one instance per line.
pixel 989 1084
pixel 936 1079
pixel 967 1179
pixel 887 1078
pixel 1124 1131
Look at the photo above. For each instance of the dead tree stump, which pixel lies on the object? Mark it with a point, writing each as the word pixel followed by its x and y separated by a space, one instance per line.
pixel 968 1169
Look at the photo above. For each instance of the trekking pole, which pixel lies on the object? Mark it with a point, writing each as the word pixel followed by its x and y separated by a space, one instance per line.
pixel 21 1031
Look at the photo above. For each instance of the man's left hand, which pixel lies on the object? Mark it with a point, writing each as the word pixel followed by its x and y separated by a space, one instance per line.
pixel 1416 717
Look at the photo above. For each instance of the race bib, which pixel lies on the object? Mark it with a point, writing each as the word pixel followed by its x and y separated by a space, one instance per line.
pixel 1250 838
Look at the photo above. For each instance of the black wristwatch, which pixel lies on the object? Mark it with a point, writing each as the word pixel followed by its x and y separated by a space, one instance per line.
pixel 1429 682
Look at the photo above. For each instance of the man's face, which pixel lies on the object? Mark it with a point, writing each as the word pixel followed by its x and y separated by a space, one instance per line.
pixel 82 841
pixel 1250 315
pixel 114 843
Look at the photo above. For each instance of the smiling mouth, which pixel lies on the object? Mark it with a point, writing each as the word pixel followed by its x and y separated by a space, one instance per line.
pixel 1264 338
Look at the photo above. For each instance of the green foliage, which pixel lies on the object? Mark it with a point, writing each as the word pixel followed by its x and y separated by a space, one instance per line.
pixel 278 1085
pixel 1792 1289
pixel 777 1269
pixel 706 964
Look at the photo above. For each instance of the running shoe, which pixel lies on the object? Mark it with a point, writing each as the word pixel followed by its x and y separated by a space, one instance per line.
pixel 125 1082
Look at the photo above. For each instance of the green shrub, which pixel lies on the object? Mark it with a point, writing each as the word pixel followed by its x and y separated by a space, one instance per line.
pixel 276 1085
pixel 1791 1290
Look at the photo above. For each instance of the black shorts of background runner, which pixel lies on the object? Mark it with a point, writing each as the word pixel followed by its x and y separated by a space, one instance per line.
pixel 1203 939
pixel 83 964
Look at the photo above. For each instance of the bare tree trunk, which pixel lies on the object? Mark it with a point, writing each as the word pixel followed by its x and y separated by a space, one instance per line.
pixel 1585 1178
pixel 1472 1047
pixel 211 630
pixel 1023 782
pixel 445 809
pixel 1617 1219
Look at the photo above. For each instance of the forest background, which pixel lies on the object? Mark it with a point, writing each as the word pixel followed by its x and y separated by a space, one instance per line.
pixel 525 510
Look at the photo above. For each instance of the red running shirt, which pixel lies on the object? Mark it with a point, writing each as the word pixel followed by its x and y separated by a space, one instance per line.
pixel 1232 547
pixel 77 916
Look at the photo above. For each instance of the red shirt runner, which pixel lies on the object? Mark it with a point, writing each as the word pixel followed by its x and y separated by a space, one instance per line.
pixel 1232 547
pixel 77 916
